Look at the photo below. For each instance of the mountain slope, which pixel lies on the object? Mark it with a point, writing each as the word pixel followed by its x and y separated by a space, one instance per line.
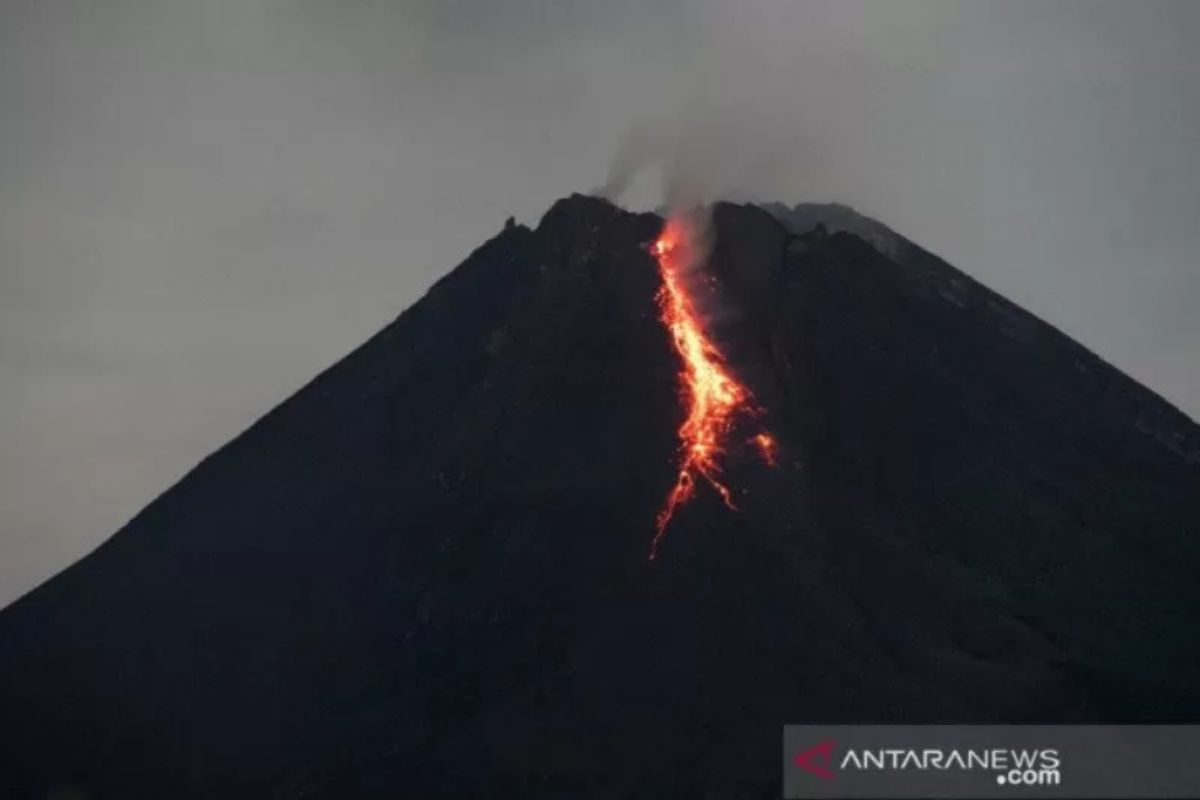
pixel 425 574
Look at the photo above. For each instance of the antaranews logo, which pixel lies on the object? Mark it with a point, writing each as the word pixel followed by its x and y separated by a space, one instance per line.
pixel 1011 767
pixel 816 760
pixel 973 762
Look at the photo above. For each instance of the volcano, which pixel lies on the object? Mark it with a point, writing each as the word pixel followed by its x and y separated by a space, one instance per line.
pixel 426 575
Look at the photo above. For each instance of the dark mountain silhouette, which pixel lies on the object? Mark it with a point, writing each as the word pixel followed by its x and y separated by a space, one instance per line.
pixel 425 574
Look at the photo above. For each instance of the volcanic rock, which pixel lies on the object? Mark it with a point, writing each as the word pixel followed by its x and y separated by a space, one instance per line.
pixel 425 574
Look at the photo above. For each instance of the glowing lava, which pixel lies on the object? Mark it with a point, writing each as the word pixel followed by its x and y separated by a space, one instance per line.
pixel 766 445
pixel 713 396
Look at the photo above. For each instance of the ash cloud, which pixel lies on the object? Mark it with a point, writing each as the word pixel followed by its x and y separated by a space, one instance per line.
pixel 709 150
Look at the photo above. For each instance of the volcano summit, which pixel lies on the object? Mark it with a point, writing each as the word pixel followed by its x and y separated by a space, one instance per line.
pixel 425 574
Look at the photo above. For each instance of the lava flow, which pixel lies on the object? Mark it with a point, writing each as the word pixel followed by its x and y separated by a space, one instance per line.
pixel 713 396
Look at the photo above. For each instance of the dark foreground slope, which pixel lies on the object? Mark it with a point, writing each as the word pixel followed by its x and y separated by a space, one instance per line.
pixel 425 574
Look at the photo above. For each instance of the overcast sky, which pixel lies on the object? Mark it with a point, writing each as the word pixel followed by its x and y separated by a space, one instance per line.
pixel 204 202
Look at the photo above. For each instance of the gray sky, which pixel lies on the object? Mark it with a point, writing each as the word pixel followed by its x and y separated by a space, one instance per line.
pixel 204 202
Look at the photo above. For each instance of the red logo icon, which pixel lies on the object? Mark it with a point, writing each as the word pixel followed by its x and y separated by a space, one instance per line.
pixel 817 760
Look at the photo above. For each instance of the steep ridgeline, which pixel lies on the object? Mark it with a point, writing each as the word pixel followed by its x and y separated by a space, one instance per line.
pixel 425 574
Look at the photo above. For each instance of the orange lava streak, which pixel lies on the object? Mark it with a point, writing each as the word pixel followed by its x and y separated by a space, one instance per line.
pixel 766 445
pixel 713 396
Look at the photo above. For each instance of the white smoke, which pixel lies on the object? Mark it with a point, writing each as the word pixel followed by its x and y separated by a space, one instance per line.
pixel 709 148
